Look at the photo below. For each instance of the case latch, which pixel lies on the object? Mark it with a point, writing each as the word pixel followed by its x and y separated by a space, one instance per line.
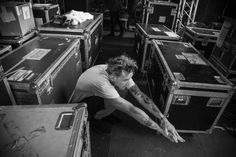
pixel 150 10
pixel 181 99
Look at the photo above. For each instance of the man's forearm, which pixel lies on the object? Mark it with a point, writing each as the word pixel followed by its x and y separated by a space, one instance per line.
pixel 144 119
pixel 146 102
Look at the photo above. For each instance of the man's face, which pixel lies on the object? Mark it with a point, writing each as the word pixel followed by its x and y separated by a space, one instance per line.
pixel 121 81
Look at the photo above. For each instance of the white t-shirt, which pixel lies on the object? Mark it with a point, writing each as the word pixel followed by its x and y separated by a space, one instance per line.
pixel 95 82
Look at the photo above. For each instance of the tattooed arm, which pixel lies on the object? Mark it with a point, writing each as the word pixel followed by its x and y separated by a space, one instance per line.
pixel 125 106
pixel 146 102
pixel 169 130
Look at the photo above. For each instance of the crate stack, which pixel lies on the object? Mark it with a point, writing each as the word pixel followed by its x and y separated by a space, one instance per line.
pixel 16 23
pixel 160 12
pixel 203 39
pixel 144 35
pixel 33 72
pixel 187 88
pixel 224 53
pixel 89 32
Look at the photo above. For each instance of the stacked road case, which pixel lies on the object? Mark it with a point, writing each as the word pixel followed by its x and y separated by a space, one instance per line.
pixel 44 13
pixel 45 130
pixel 4 49
pixel 89 32
pixel 224 53
pixel 16 23
pixel 201 38
pixel 143 36
pixel 161 12
pixel 186 87
pixel 6 96
pixel 36 71
pixel 16 41
pixel 16 19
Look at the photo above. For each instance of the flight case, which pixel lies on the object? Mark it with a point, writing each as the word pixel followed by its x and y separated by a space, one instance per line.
pixel 224 53
pixel 57 130
pixel 6 96
pixel 161 12
pixel 90 33
pixel 44 13
pixel 16 18
pixel 201 38
pixel 45 70
pixel 4 49
pixel 16 41
pixel 186 87
pixel 143 36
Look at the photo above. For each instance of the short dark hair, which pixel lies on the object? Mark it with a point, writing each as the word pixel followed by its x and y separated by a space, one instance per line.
pixel 122 63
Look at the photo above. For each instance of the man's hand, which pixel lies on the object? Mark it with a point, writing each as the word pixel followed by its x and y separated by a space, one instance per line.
pixel 170 132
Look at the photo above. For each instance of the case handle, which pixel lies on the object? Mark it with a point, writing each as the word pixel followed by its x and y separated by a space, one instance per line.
pixel 65 121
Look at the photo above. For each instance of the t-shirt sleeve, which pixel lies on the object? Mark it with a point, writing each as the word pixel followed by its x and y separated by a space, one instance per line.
pixel 106 91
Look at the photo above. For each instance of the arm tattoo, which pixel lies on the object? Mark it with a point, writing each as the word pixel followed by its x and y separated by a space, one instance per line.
pixel 147 122
pixel 143 118
pixel 147 101
pixel 135 90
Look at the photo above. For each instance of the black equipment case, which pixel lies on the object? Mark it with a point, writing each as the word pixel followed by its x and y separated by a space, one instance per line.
pixel 201 38
pixel 4 49
pixel 44 13
pixel 16 41
pixel 161 12
pixel 224 53
pixel 143 37
pixel 44 70
pixel 90 33
pixel 6 96
pixel 56 130
pixel 186 87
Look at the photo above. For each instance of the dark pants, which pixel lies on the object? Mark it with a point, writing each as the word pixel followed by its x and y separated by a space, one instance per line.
pixel 115 19
pixel 94 104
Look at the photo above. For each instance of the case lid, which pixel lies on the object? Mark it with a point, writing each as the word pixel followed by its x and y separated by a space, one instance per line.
pixel 187 66
pixel 38 58
pixel 29 130
pixel 204 32
pixel 157 31
pixel 79 29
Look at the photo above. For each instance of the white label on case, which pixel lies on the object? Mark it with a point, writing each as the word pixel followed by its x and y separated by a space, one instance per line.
pixel 156 29
pixel 26 12
pixel 162 19
pixel 194 58
pixel 181 57
pixel 37 54
pixel 173 12
pixel 171 34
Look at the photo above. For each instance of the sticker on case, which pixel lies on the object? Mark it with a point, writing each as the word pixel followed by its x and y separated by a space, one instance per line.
pixel 37 54
pixel 180 57
pixel 162 19
pixel 156 29
pixel 179 76
pixel 194 58
pixel 26 12
pixel 171 34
